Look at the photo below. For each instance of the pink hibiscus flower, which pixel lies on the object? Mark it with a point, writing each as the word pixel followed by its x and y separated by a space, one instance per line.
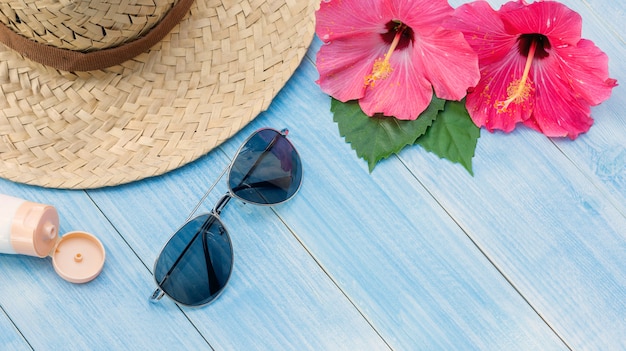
pixel 535 68
pixel 391 54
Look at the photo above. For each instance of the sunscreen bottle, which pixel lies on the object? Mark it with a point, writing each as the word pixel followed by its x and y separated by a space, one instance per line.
pixel 32 229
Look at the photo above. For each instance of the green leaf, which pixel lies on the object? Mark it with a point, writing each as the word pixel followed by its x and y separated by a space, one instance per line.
pixel 378 137
pixel 453 135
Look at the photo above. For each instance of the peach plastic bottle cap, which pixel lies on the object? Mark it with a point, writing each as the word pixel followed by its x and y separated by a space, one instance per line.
pixel 78 257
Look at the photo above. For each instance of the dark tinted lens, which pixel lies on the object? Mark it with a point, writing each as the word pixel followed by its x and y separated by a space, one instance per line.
pixel 267 170
pixel 196 263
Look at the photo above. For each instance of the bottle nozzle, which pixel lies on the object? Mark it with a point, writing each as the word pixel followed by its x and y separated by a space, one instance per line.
pixel 50 231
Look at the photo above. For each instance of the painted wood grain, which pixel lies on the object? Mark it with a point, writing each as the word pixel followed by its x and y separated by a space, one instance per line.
pixel 606 190
pixel 10 337
pixel 558 240
pixel 111 312
pixel 394 252
pixel 570 259
pixel 277 298
pixel 530 253
pixel 601 153
pixel 611 13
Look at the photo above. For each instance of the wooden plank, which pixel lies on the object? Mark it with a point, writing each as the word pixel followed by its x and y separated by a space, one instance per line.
pixel 612 14
pixel 394 252
pixel 553 225
pixel 550 231
pixel 10 337
pixel 380 242
pixel 584 282
pixel 277 298
pixel 601 153
pixel 111 312
pixel 571 259
pixel 546 227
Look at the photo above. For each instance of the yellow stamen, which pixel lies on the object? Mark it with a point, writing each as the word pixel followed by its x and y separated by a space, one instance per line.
pixel 382 68
pixel 519 90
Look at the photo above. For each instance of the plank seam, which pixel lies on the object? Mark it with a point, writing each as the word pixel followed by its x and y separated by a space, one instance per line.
pixel 145 266
pixel 593 179
pixel 15 326
pixel 319 264
pixel 484 254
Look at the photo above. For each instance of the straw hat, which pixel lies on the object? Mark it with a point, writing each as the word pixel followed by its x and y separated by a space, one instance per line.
pixel 105 92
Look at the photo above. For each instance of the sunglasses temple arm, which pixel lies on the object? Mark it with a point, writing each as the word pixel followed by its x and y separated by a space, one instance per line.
pixel 206 194
pixel 157 295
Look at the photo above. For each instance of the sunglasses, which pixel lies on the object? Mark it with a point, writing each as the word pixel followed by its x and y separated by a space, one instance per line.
pixel 196 263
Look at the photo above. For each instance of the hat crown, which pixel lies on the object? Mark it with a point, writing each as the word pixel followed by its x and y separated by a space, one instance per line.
pixel 83 25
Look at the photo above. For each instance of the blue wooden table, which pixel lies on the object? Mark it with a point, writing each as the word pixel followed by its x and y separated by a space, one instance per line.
pixel 527 254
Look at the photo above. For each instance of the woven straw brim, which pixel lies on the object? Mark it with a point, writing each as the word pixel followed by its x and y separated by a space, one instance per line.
pixel 210 76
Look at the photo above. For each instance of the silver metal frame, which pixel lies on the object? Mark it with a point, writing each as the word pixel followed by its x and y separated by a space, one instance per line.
pixel 217 209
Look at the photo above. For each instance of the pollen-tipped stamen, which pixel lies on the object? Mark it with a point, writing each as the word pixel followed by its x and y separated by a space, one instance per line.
pixel 382 68
pixel 519 90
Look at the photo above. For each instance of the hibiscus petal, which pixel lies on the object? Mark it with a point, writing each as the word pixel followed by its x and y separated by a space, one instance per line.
pixel 404 94
pixel 423 16
pixel 492 88
pixel 556 21
pixel 344 64
pixel 558 112
pixel 512 5
pixel 448 62
pixel 483 30
pixel 587 68
pixel 338 19
pixel 563 83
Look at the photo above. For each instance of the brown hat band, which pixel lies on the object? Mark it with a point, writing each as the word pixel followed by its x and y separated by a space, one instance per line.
pixel 69 60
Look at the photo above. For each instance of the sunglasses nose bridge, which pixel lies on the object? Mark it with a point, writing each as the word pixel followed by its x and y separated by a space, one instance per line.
pixel 221 203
